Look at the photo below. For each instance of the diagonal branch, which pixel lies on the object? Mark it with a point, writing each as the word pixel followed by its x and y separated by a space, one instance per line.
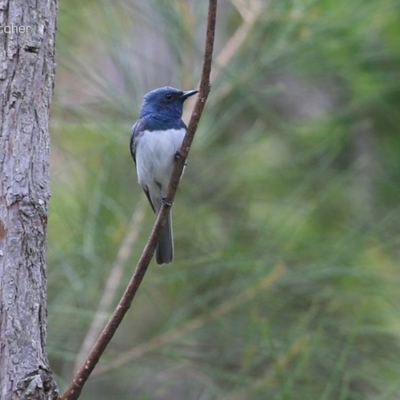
pixel 80 378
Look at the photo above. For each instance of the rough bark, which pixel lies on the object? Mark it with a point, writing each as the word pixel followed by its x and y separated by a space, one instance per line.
pixel 27 64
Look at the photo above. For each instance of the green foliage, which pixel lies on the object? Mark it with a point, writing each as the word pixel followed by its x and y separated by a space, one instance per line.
pixel 286 221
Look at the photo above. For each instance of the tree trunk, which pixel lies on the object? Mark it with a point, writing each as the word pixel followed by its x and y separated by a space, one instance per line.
pixel 27 68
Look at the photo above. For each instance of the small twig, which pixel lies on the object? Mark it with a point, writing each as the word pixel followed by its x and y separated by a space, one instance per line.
pixel 112 283
pixel 80 378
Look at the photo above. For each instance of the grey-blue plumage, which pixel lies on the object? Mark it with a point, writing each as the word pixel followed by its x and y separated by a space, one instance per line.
pixel 156 138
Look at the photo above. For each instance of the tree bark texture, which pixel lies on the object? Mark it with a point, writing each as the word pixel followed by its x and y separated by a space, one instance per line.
pixel 27 65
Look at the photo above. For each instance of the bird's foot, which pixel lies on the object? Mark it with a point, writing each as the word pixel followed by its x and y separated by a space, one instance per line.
pixel 177 155
pixel 165 203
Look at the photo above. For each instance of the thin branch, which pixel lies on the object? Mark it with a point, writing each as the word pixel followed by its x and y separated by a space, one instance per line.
pixel 176 334
pixel 80 378
pixel 113 282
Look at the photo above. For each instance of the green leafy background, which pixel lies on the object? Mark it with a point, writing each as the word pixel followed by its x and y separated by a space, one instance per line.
pixel 287 221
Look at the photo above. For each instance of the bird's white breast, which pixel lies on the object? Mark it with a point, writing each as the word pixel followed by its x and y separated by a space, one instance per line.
pixel 155 155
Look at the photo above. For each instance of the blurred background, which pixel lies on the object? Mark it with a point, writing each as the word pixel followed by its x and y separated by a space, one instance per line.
pixel 285 283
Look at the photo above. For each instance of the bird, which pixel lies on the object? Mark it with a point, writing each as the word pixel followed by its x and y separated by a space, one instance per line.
pixel 156 139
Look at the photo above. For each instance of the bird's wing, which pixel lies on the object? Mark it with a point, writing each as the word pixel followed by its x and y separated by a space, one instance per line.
pixel 147 193
pixel 137 130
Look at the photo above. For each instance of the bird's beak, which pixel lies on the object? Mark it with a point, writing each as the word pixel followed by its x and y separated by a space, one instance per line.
pixel 188 93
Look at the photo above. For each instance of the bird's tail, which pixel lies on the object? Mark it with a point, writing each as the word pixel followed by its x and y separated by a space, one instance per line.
pixel 165 248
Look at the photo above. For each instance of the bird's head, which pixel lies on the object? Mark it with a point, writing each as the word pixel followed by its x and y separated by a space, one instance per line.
pixel 166 102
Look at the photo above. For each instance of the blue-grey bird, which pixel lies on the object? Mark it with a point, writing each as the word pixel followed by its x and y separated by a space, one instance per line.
pixel 155 142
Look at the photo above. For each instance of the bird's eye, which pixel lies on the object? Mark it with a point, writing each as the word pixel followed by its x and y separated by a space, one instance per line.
pixel 168 96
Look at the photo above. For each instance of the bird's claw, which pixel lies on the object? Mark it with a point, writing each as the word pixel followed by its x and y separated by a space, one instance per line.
pixel 177 155
pixel 165 203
